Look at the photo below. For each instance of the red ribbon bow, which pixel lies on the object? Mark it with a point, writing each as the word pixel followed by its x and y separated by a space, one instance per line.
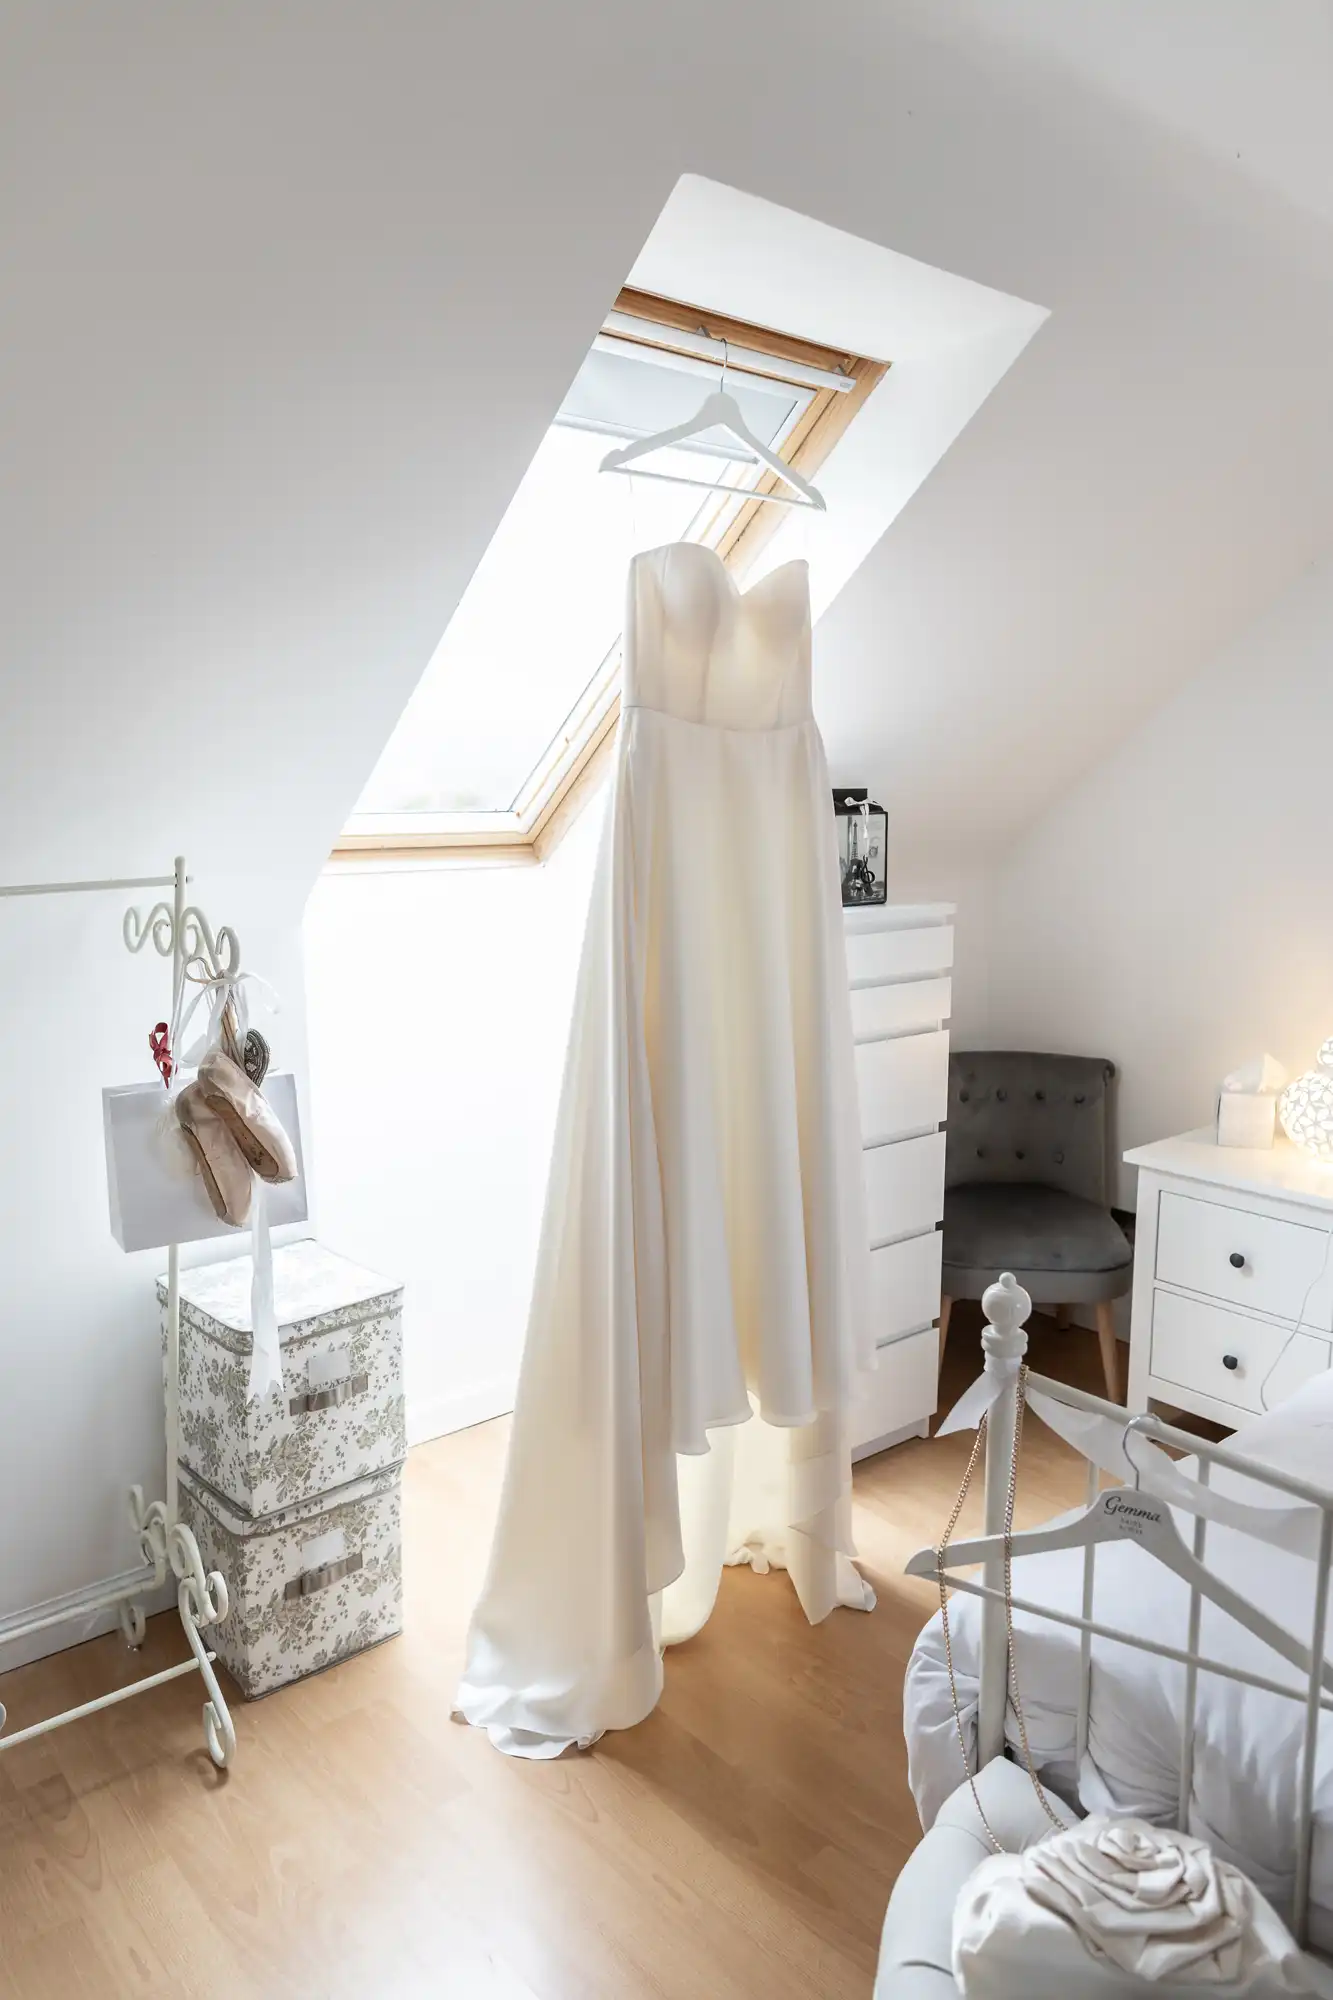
pixel 160 1044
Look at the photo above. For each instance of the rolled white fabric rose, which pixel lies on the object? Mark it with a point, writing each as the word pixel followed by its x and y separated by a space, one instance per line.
pixel 1155 1906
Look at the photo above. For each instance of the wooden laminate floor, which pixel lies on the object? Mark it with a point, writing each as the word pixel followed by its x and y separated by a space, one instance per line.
pixel 741 1842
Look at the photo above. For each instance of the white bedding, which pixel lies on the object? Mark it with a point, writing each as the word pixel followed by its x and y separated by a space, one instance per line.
pixel 1247 1742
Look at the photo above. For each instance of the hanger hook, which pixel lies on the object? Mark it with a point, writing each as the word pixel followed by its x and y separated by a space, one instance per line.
pixel 1136 1427
pixel 726 355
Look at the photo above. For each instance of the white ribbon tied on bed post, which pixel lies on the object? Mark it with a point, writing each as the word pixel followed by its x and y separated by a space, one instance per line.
pixel 1004 1342
pixel 1104 1441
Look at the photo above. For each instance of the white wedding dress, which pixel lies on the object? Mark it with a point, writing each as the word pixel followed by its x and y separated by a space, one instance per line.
pixel 699 1314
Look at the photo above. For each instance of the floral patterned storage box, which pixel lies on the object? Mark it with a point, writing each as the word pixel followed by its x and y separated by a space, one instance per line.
pixel 309 1585
pixel 341 1414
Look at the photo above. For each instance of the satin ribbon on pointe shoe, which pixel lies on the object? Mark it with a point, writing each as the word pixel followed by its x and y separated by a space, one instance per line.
pixel 228 1023
pixel 159 1042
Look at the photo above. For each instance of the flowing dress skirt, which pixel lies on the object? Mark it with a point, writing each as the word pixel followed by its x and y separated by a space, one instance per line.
pixel 699 1314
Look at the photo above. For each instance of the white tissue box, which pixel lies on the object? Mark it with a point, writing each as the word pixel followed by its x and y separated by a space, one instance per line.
pixel 1245 1118
pixel 341 1414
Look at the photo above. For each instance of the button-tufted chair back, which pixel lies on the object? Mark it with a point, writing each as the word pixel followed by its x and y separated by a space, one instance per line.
pixel 1034 1118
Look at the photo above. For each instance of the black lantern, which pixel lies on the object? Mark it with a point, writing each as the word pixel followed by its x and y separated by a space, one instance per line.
pixel 863 829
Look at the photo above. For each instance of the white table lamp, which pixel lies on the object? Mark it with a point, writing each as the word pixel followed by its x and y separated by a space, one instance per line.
pixel 1306 1107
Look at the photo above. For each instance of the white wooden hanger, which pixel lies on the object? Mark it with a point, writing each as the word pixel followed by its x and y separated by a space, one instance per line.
pixel 1126 1513
pixel 718 411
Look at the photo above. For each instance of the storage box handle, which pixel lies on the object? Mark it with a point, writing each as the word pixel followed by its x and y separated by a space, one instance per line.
pixel 320 1579
pixel 328 1399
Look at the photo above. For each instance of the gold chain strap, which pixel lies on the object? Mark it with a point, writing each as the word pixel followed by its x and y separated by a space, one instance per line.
pixel 1020 1403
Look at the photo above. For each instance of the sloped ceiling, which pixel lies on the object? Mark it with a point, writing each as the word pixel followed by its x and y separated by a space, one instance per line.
pixel 291 292
pixel 1248 83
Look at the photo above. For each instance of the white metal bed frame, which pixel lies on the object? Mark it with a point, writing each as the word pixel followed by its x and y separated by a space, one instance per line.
pixel 1004 1342
pixel 180 932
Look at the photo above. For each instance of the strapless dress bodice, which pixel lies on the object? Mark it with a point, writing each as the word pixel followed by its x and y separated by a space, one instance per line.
pixel 700 649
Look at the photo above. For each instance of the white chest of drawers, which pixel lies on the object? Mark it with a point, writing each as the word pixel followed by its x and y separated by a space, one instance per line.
pixel 1233 1276
pixel 898 962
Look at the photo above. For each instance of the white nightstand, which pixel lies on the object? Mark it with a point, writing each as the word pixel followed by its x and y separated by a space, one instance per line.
pixel 1233 1276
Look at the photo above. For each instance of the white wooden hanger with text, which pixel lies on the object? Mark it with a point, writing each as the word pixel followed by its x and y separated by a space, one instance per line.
pixel 1126 1513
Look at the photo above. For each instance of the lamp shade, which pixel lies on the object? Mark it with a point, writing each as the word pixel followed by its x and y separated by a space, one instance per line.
pixel 1306 1107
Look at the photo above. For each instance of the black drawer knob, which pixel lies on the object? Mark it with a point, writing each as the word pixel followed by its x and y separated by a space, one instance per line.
pixel 1230 1361
pixel 1236 1260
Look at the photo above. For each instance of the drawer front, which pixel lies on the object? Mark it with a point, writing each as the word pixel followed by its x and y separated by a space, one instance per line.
pixel 1229 1356
pixel 901 1009
pixel 877 955
pixel 904 1186
pixel 902 1390
pixel 902 1086
pixel 905 1286
pixel 1198 1243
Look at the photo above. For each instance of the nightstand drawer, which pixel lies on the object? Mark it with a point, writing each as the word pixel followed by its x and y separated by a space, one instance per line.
pixel 1257 1261
pixel 1228 1356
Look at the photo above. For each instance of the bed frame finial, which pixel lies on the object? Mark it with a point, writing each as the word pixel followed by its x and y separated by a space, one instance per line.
pixel 1006 1306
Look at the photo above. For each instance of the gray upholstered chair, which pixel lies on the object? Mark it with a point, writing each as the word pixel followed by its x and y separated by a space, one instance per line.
pixel 1026 1188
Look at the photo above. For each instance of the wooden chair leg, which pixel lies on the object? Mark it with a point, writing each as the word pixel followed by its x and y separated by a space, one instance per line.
pixel 946 1307
pixel 1110 1347
pixel 1063 1315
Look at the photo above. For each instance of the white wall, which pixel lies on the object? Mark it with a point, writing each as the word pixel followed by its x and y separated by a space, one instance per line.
pixel 272 376
pixel 1175 911
pixel 439 1009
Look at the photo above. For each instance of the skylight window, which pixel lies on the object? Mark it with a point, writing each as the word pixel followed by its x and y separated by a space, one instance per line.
pixel 524 683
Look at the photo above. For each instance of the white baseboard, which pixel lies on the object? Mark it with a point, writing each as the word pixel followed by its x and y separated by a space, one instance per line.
pixel 460 1410
pixel 68 1622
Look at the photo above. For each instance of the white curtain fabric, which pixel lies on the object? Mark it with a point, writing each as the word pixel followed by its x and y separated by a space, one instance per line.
pixel 699 1314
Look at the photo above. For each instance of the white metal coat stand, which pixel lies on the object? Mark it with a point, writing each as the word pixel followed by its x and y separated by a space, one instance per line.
pixel 180 932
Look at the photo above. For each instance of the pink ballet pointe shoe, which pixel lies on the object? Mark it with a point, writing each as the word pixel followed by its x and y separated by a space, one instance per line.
pixel 248 1116
pixel 222 1167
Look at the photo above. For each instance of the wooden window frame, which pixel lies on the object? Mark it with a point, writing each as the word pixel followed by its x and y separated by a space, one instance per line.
pixel 574 764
